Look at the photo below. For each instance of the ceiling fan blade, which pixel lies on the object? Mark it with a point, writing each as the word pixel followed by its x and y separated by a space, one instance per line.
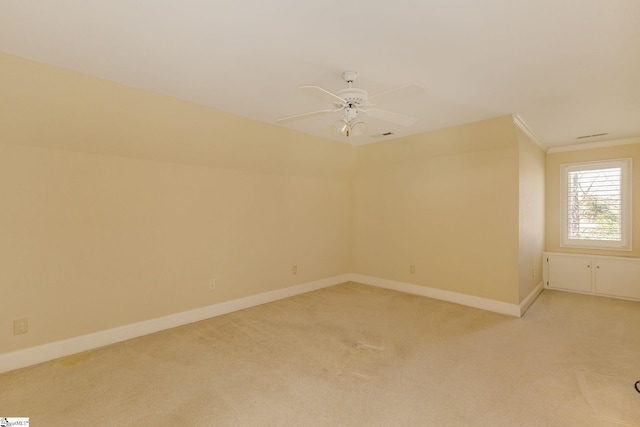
pixel 318 92
pixel 389 116
pixel 312 113
pixel 398 94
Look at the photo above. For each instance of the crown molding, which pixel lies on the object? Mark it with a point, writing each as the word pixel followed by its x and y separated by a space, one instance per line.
pixel 590 145
pixel 519 121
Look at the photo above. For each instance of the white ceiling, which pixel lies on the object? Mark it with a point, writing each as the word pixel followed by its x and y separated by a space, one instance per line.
pixel 569 67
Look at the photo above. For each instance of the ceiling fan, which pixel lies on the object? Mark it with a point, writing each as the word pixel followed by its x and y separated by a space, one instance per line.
pixel 352 100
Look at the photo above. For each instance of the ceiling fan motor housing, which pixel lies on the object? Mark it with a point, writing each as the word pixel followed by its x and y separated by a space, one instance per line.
pixel 354 97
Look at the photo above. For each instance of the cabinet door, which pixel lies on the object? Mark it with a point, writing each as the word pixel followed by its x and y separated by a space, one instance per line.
pixel 569 272
pixel 619 278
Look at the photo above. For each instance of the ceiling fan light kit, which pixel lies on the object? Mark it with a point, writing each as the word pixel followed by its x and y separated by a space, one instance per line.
pixel 352 100
pixel 348 129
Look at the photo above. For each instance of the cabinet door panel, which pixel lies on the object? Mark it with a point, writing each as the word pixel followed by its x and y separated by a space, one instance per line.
pixel 618 278
pixel 570 272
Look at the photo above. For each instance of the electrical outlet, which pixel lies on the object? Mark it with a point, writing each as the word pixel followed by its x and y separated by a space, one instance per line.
pixel 212 284
pixel 412 269
pixel 533 273
pixel 20 326
pixel 294 269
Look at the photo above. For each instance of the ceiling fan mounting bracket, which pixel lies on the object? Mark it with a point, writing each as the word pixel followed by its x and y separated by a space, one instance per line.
pixel 350 76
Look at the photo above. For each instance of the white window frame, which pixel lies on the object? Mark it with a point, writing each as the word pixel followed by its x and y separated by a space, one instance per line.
pixel 625 220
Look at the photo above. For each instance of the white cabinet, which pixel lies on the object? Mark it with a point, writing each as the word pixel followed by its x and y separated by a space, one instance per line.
pixel 570 272
pixel 617 277
pixel 599 275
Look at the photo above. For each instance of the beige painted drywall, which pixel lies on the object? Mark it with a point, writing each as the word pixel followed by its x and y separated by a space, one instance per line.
pixel 46 106
pixel 120 205
pixel 446 202
pixel 531 194
pixel 555 159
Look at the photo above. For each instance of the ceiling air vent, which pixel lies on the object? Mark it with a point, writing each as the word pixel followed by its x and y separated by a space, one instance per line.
pixel 592 136
pixel 380 135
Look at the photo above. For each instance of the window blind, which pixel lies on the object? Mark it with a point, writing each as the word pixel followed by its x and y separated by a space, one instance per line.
pixel 594 204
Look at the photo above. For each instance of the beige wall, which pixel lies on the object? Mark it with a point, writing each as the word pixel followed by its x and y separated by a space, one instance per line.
pixel 119 205
pixel 532 222
pixel 446 202
pixel 555 159
pixel 46 106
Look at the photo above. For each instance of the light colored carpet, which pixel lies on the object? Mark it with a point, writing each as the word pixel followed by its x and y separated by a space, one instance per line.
pixel 354 355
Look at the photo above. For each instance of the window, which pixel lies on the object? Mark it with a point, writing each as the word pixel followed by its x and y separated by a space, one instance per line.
pixel 596 205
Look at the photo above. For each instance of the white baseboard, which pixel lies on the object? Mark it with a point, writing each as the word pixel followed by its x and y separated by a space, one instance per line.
pixel 46 352
pixel 533 295
pixel 43 353
pixel 455 297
